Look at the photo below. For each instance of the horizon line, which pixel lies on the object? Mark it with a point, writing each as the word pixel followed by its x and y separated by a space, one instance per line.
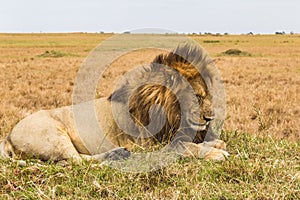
pixel 170 33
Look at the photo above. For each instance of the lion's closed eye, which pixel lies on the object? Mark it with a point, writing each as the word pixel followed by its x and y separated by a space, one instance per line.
pixel 199 96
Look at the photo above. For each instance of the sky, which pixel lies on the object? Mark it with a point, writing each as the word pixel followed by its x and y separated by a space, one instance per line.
pixel 182 16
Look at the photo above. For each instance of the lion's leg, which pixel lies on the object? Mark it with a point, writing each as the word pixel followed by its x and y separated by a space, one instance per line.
pixel 45 152
pixel 44 142
pixel 39 136
pixel 56 147
pixel 202 150
pixel 114 154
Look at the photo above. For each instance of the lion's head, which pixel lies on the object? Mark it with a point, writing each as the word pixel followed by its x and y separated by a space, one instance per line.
pixel 174 82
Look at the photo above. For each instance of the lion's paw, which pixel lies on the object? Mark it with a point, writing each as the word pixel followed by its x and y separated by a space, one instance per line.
pixel 218 144
pixel 117 154
pixel 216 155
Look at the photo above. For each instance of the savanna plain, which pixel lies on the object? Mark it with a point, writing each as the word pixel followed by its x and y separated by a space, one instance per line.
pixel 261 75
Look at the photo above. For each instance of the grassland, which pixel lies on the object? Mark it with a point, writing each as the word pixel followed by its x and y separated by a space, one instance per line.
pixel 262 128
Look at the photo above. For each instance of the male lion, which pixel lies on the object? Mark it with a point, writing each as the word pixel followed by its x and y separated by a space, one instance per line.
pixel 167 82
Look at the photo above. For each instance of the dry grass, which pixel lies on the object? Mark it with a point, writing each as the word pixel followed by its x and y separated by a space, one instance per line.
pixel 30 82
pixel 263 98
pixel 262 89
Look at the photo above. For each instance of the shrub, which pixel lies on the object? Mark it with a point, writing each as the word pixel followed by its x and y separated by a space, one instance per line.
pixel 54 54
pixel 233 52
pixel 236 52
pixel 211 41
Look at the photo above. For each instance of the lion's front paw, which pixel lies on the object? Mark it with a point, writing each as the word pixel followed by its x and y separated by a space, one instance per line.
pixel 218 144
pixel 216 155
pixel 117 154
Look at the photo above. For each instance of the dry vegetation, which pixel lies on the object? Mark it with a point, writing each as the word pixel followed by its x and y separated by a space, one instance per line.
pixel 262 88
pixel 262 85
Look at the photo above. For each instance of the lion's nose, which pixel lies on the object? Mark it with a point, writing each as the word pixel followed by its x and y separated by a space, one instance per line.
pixel 208 118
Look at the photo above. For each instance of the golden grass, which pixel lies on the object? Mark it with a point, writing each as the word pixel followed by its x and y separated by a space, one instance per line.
pixel 262 88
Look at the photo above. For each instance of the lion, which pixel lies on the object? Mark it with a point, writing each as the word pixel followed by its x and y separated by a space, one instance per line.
pixel 161 100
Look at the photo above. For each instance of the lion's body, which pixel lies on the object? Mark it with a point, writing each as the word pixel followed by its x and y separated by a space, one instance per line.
pixel 58 135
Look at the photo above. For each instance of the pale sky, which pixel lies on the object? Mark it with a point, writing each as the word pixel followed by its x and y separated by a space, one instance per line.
pixel 216 16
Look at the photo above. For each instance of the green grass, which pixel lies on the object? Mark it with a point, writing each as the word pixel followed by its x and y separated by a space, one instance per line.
pixel 259 168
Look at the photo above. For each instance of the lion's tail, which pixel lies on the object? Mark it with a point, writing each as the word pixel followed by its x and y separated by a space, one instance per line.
pixel 6 149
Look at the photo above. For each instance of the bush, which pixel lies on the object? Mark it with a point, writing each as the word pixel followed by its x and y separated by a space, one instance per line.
pixel 211 41
pixel 233 52
pixel 236 52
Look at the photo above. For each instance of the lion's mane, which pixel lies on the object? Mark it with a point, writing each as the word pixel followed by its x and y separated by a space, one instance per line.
pixel 185 61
